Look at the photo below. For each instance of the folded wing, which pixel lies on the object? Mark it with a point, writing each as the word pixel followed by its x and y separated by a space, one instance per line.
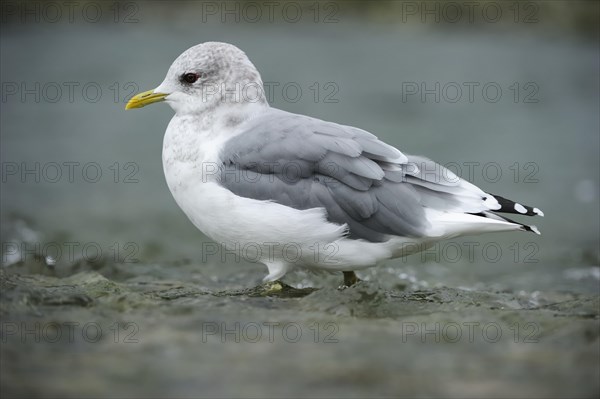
pixel 362 182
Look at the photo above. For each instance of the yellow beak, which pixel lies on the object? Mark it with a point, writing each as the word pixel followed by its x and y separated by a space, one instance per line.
pixel 142 99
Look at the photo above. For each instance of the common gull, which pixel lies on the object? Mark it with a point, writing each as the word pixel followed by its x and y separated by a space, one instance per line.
pixel 291 191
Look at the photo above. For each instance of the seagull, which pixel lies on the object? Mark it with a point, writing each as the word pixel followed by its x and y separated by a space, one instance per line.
pixel 291 191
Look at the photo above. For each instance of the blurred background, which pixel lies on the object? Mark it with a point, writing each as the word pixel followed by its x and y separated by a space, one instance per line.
pixel 506 94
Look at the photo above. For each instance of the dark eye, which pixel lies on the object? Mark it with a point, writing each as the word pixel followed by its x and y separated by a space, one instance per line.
pixel 190 77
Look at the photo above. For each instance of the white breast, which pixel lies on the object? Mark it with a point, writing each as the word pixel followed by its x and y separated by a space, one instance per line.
pixel 261 230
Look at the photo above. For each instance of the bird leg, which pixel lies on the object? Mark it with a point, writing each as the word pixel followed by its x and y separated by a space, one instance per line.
pixel 350 279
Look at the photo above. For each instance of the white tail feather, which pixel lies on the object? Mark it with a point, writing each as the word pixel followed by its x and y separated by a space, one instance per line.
pixel 452 224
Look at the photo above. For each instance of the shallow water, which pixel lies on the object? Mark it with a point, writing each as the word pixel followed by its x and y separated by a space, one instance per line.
pixel 143 305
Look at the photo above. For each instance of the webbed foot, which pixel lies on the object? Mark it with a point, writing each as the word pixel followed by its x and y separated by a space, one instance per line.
pixel 350 278
pixel 280 289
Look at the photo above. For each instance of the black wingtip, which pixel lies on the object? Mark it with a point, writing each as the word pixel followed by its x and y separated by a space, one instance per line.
pixel 522 227
pixel 531 228
pixel 508 206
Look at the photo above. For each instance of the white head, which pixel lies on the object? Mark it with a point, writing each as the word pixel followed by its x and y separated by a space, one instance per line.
pixel 203 78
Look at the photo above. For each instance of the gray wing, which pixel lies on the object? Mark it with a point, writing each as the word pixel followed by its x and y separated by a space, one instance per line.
pixel 305 163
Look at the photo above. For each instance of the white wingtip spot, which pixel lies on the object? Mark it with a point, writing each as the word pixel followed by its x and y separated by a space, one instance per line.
pixel 535 230
pixel 491 202
pixel 537 211
pixel 520 208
